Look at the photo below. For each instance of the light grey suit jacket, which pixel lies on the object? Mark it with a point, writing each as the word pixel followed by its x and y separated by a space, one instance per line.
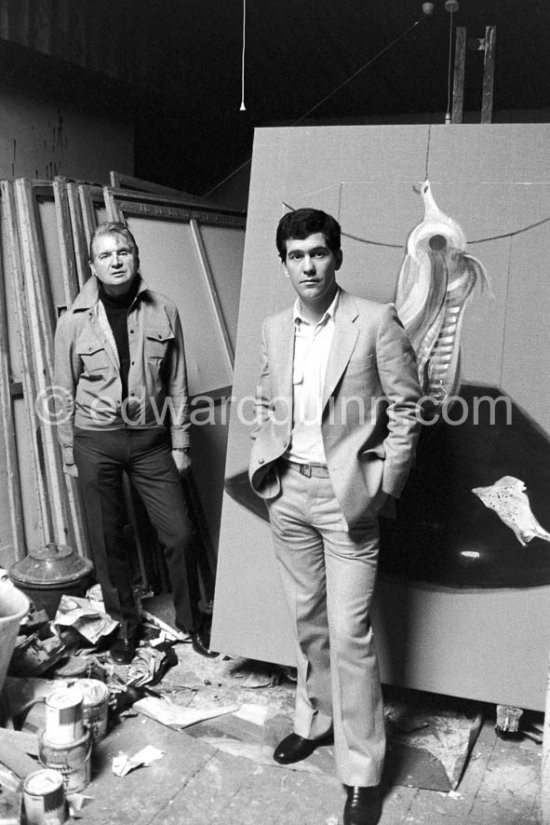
pixel 370 420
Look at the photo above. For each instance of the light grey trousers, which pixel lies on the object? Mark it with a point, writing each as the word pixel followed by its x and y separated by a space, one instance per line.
pixel 328 576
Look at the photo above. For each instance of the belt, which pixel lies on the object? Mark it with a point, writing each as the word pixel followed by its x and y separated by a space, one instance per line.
pixel 308 470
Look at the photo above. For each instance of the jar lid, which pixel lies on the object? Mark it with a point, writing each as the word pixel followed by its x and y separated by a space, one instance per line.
pixel 52 564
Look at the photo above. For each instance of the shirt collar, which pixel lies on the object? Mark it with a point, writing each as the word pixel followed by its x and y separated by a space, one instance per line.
pixel 330 312
pixel 89 294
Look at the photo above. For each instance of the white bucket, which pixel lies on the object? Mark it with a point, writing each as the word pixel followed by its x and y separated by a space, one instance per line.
pixel 14 606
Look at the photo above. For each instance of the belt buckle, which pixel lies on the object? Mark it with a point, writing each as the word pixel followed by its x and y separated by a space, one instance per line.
pixel 305 470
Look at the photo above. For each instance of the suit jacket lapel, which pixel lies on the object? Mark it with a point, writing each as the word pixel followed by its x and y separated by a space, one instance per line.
pixel 345 336
pixel 284 355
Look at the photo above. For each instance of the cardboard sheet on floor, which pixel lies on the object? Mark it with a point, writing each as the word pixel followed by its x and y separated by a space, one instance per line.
pixel 429 740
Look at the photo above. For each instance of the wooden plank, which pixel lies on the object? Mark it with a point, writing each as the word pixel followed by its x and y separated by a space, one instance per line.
pixel 38 292
pixel 120 181
pixel 212 291
pixel 458 76
pixel 79 235
pixel 114 212
pixel 89 219
pixel 41 329
pixel 15 501
pixel 488 74
pixel 27 372
pixel 66 247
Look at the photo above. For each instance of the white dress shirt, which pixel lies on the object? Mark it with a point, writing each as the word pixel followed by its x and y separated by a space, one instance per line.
pixel 312 345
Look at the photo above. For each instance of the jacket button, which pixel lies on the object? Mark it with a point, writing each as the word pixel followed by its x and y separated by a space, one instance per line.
pixel 260 461
pixel 285 444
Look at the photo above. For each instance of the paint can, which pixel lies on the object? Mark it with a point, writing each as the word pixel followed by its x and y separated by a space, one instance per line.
pixel 44 798
pixel 72 761
pixel 95 707
pixel 64 715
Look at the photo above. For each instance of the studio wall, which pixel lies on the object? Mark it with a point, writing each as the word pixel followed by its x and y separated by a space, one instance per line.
pixel 41 139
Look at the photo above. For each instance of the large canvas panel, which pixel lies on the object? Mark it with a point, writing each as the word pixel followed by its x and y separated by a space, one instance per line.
pixel 169 263
pixel 495 181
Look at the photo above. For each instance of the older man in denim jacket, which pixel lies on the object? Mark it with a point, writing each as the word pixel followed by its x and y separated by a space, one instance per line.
pixel 120 369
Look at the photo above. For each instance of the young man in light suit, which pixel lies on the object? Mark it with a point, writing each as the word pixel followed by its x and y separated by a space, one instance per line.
pixel 337 424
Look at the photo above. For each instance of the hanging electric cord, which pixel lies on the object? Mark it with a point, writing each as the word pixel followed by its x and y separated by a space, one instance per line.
pixel 361 69
pixel 243 107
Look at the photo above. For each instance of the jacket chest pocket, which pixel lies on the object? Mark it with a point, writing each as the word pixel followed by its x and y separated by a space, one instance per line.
pixel 93 356
pixel 158 342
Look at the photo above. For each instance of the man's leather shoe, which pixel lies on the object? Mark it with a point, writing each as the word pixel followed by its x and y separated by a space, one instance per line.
pixel 122 651
pixel 200 642
pixel 364 806
pixel 294 748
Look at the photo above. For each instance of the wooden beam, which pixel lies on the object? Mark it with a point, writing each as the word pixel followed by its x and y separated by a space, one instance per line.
pixel 458 77
pixel 89 219
pixel 488 74
pixel 66 248
pixel 114 212
pixel 70 235
pixel 27 372
pixel 15 501
pixel 78 234
pixel 212 291
pixel 37 294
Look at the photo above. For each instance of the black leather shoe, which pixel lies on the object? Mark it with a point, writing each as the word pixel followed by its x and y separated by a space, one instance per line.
pixel 294 748
pixel 200 641
pixel 364 806
pixel 122 651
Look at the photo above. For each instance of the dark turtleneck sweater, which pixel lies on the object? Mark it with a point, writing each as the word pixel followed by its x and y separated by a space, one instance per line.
pixel 116 307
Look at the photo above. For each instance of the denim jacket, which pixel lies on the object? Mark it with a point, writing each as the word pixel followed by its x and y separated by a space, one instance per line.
pixel 88 387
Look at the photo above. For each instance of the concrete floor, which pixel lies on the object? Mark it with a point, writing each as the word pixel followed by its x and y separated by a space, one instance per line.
pixel 222 770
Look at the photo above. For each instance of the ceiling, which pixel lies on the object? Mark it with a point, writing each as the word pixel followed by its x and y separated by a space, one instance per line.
pixel 324 61
pixel 178 65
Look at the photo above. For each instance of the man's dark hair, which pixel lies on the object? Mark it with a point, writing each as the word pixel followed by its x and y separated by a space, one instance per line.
pixel 304 222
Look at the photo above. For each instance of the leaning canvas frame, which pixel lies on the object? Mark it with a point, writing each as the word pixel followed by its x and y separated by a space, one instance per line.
pixel 490 645
pixel 46 230
pixel 141 207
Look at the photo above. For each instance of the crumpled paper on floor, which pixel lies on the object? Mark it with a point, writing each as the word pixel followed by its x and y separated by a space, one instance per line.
pixel 145 666
pixel 177 716
pixel 33 656
pixel 123 764
pixel 81 615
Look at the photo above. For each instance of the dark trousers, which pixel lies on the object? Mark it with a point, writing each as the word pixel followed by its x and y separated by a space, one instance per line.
pixel 101 458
